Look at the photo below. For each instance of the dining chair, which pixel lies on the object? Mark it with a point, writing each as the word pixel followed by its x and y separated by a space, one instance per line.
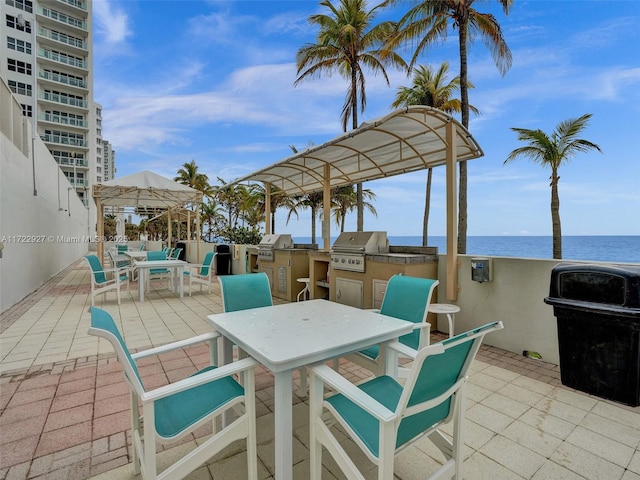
pixel 105 280
pixel 172 411
pixel 120 249
pixel 384 416
pixel 176 253
pixel 141 247
pixel 160 272
pixel 201 273
pixel 118 260
pixel 250 290
pixel 169 252
pixel 406 298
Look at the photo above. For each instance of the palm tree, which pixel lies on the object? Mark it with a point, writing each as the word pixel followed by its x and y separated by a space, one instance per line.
pixel 552 151
pixel 344 200
pixel 313 201
pixel 347 42
pixel 188 175
pixel 431 88
pixel 278 199
pixel 428 21
pixel 212 216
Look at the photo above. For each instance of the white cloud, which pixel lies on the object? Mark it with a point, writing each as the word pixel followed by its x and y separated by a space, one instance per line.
pixel 110 23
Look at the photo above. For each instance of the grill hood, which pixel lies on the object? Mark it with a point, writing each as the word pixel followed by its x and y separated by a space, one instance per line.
pixel 361 242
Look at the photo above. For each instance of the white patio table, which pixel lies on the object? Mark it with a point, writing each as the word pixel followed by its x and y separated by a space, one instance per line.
pixel 177 265
pixel 286 337
pixel 136 254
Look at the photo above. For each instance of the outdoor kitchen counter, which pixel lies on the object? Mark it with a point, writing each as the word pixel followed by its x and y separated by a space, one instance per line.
pixel 401 258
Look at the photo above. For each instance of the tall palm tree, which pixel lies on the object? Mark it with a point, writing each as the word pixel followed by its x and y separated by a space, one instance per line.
pixel 349 42
pixel 431 88
pixel 313 201
pixel 211 216
pixel 428 21
pixel 551 152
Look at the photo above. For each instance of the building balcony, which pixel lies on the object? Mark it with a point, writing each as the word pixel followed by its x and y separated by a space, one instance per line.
pixel 71 162
pixel 62 140
pixel 55 58
pixel 58 79
pixel 75 4
pixel 61 40
pixel 63 100
pixel 48 14
pixel 62 120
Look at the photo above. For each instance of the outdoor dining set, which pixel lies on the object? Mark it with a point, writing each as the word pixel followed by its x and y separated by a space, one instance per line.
pixel 127 265
pixel 415 390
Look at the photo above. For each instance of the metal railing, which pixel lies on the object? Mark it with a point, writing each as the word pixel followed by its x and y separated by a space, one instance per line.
pixel 62 140
pixel 62 58
pixel 62 120
pixel 63 18
pixel 62 38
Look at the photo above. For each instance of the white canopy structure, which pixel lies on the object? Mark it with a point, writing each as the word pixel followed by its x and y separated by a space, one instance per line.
pixel 146 191
pixel 406 140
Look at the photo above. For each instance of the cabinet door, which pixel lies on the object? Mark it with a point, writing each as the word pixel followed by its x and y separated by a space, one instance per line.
pixel 379 287
pixel 349 292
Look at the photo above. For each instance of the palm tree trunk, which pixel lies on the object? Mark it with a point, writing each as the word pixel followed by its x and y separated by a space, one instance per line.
pixel 427 206
pixel 464 99
pixel 313 224
pixel 555 216
pixel 354 125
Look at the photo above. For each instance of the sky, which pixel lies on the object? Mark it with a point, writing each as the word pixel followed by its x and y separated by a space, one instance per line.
pixel 213 81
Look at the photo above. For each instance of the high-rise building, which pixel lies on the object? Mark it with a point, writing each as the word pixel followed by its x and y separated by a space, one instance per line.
pixel 47 60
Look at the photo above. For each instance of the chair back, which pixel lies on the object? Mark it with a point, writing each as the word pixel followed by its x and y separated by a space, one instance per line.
pixel 141 248
pixel 207 264
pixel 241 292
pixel 407 298
pixel 434 379
pixel 122 248
pixel 176 253
pixel 102 325
pixel 155 255
pixel 96 268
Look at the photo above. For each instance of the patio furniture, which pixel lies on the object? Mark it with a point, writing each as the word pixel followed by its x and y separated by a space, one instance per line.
pixel 304 293
pixel 120 249
pixel 176 267
pixel 141 248
pixel 169 252
pixel 159 272
pixel 176 253
pixel 100 281
pixel 383 416
pixel 201 273
pixel 118 260
pixel 286 337
pixel 406 298
pixel 448 310
pixel 172 411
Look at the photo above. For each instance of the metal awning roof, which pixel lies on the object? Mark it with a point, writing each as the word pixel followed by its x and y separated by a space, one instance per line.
pixel 406 140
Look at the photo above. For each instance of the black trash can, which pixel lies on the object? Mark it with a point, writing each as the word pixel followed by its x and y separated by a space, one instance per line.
pixel 223 260
pixel 183 252
pixel 597 308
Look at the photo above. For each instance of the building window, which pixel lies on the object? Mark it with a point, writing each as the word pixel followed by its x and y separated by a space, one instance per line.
pixel 99 178
pixel 27 110
pixel 18 66
pixel 25 5
pixel 18 23
pixel 20 88
pixel 19 45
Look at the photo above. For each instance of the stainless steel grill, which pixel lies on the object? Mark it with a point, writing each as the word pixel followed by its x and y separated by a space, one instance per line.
pixel 271 242
pixel 350 248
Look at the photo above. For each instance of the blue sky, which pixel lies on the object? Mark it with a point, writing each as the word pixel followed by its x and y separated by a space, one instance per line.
pixel 213 82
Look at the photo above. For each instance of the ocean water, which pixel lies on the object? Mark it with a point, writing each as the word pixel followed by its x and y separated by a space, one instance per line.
pixel 599 248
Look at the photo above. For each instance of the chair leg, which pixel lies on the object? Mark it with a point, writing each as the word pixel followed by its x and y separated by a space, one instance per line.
pixel 315 413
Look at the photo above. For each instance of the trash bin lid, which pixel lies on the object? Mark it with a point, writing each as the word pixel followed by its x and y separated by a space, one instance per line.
pixel 617 285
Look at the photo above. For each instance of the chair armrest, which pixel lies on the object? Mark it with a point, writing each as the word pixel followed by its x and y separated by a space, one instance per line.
pixel 374 310
pixel 175 345
pixel 416 326
pixel 200 379
pixel 352 392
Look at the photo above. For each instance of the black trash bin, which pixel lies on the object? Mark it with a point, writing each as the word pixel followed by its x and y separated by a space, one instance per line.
pixel 223 260
pixel 183 252
pixel 597 308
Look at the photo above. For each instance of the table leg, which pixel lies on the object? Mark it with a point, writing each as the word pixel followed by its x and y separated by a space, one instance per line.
pixel 283 425
pixel 180 280
pixel 141 283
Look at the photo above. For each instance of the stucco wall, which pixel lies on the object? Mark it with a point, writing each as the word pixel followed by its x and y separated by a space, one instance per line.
pixel 42 234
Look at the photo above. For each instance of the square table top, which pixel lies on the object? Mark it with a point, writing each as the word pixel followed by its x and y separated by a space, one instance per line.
pixel 292 335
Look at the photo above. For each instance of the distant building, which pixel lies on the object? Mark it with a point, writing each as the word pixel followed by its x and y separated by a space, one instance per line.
pixel 46 58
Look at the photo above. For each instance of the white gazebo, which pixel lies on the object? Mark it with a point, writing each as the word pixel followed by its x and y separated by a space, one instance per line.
pixel 145 191
pixel 409 139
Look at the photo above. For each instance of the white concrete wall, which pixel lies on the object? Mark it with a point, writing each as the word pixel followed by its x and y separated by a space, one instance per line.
pixel 42 234
pixel 515 296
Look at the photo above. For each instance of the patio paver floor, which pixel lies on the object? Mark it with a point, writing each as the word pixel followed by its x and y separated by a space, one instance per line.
pixel 64 405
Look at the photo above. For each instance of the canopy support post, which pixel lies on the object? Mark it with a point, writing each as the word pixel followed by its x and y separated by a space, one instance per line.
pixel 326 209
pixel 452 209
pixel 267 208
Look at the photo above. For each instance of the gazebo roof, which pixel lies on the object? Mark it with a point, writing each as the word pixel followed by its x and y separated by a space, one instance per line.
pixel 145 189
